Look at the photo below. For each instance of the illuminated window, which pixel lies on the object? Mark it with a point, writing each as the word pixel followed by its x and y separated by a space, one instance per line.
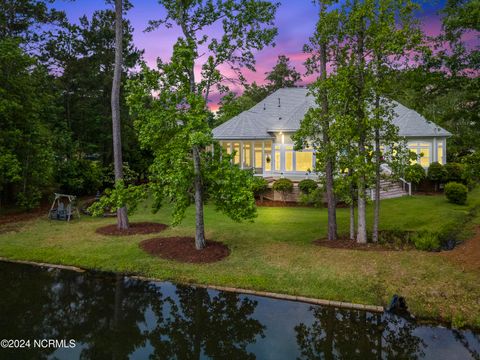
pixel 304 160
pixel 247 153
pixel 258 155
pixel 423 151
pixel 226 147
pixel 268 156
pixel 277 157
pixel 236 148
pixel 288 158
pixel 440 152
pixel 425 157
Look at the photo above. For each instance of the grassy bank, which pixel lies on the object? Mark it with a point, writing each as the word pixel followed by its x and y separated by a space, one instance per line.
pixel 275 253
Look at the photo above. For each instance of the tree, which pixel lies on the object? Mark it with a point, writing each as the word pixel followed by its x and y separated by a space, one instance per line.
pixel 389 44
pixel 282 75
pixel 315 128
pixel 445 87
pixel 246 26
pixel 361 41
pixel 122 217
pixel 25 21
pixel 27 108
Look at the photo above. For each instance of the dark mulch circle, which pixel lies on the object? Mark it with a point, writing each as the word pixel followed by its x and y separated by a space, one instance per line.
pixel 182 249
pixel 347 244
pixel 138 228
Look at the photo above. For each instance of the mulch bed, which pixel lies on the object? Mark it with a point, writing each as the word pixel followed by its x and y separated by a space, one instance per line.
pixel 347 244
pixel 24 216
pixel 138 228
pixel 182 249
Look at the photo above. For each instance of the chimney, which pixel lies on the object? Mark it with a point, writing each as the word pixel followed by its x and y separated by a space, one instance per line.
pixel 264 107
pixel 278 102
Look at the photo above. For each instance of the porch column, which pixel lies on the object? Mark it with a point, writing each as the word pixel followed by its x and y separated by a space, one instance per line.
pixel 263 157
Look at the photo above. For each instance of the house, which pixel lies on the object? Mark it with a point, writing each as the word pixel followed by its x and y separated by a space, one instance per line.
pixel 261 136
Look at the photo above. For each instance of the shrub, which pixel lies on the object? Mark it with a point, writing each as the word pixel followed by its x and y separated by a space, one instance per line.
pixel 455 172
pixel 259 186
pixel 306 186
pixel 426 241
pixel 456 193
pixel 397 237
pixel 414 173
pixel 436 172
pixel 283 186
pixel 314 198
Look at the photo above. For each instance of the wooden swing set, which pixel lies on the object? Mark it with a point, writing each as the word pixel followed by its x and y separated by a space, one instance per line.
pixel 64 207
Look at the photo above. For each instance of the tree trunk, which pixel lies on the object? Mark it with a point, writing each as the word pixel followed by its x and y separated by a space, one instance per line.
pixel 376 211
pixel 329 162
pixel 199 222
pixel 362 207
pixel 352 207
pixel 198 182
pixel 362 136
pixel 362 221
pixel 122 217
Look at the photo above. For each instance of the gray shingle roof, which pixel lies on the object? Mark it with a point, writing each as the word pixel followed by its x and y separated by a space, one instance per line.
pixel 267 117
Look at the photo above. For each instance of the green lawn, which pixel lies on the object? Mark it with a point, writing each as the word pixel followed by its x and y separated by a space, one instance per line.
pixel 275 253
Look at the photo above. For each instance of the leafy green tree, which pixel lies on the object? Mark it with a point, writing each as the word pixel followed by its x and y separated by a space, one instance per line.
pixel 175 123
pixel 82 57
pixel 362 41
pixel 27 105
pixel 27 21
pixel 315 128
pixel 445 86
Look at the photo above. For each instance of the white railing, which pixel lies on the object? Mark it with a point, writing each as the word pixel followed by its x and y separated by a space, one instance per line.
pixel 406 184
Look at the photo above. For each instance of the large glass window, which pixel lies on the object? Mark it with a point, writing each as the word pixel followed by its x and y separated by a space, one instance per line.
pixel 277 157
pixel 226 147
pixel 423 151
pixel 303 161
pixel 247 155
pixel 236 148
pixel 268 156
pixel 288 158
pixel 258 155
pixel 440 151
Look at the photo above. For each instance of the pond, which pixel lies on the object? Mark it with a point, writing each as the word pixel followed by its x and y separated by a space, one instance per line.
pixel 111 316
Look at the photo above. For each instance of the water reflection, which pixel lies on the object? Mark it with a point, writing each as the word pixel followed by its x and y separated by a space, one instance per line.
pixel 116 317
pixel 351 334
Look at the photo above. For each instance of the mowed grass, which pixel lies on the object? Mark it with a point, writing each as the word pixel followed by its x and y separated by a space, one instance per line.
pixel 275 253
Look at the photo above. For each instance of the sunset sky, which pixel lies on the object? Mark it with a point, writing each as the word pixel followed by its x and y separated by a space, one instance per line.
pixel 295 20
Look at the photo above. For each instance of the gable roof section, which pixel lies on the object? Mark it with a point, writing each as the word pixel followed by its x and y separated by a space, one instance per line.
pixel 285 109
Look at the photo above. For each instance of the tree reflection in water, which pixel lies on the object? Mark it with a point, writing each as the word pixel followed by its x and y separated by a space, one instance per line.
pixel 219 327
pixel 354 334
pixel 110 317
